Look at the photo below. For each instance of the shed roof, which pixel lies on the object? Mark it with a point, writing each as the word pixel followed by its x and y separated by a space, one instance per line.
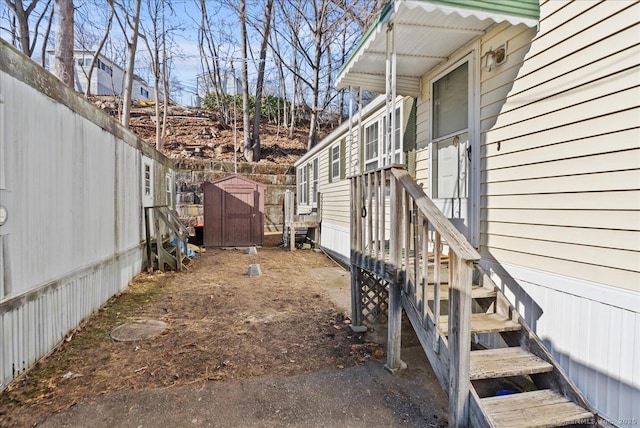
pixel 235 178
pixel 427 32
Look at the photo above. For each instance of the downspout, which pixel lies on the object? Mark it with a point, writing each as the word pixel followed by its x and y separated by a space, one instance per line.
pixel 350 170
pixel 392 140
pixel 360 133
pixel 388 72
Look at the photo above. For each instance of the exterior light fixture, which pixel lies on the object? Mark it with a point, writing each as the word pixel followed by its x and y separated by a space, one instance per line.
pixel 495 57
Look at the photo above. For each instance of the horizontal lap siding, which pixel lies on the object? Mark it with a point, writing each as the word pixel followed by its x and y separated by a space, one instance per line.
pixel 336 194
pixel 560 179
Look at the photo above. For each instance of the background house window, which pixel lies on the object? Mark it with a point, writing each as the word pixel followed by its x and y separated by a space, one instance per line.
pixel 168 185
pixel 147 179
pixel 335 161
pixel 144 92
pixel 302 186
pixel 371 142
pixel 314 184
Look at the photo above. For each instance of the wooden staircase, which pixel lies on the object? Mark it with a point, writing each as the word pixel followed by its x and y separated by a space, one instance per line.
pixel 495 370
pixel 166 239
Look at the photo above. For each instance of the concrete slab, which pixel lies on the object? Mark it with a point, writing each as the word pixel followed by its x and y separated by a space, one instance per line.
pixel 361 396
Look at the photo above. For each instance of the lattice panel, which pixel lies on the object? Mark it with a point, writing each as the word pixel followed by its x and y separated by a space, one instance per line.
pixel 375 297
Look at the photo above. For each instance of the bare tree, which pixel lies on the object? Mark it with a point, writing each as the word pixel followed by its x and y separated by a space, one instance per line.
pixel 242 12
pixel 130 22
pixel 89 42
pixel 212 74
pixel 255 142
pixel 63 58
pixel 22 14
pixel 47 33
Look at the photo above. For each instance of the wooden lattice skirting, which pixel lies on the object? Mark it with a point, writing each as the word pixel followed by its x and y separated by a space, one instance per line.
pixel 375 297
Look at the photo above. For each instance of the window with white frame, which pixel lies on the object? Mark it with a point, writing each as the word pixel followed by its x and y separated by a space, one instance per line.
pixel 303 188
pixel 335 162
pixel 392 155
pixel 168 188
pixel 147 179
pixel 371 149
pixel 314 183
pixel 378 150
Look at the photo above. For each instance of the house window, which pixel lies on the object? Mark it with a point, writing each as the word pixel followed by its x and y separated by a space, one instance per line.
pixel 168 189
pixel 371 141
pixel 144 92
pixel 391 155
pixel 314 184
pixel 302 186
pixel 147 179
pixel 335 162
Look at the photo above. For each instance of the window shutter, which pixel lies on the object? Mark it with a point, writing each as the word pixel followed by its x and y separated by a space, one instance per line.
pixel 409 136
pixel 342 159
pixel 330 168
pixel 361 149
pixel 306 191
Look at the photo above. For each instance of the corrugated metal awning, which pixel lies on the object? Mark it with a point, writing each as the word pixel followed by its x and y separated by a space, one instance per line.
pixel 426 33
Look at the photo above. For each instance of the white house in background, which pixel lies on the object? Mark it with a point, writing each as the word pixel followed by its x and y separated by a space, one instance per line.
pixel 107 77
pixel 527 137
pixel 206 85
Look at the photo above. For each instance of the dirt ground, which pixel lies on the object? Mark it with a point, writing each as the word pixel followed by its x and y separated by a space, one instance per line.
pixel 222 325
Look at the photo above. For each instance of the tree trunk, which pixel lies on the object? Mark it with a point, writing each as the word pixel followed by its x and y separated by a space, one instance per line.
pixel 259 84
pixel 87 91
pixel 246 140
pixel 63 59
pixel 132 45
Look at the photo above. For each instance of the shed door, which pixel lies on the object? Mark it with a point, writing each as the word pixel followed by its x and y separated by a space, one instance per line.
pixel 239 211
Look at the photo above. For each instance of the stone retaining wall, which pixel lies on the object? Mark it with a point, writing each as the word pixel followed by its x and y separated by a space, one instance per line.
pixel 191 173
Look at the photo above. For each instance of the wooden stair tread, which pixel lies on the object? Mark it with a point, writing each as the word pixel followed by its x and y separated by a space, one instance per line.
pixel 504 362
pixel 483 323
pixel 543 408
pixel 477 292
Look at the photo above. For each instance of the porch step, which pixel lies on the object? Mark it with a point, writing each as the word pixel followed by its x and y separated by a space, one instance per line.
pixel 483 323
pixel 543 408
pixel 477 292
pixel 505 362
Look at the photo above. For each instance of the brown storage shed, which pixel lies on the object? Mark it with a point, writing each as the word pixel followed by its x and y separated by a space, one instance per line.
pixel 233 212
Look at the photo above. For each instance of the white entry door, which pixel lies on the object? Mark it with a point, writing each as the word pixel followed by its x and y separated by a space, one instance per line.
pixel 451 144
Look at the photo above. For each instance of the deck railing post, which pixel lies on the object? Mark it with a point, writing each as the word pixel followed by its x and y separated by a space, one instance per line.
pixel 395 294
pixel 460 277
pixel 356 291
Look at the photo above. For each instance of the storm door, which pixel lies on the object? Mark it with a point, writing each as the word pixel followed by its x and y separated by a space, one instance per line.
pixel 451 147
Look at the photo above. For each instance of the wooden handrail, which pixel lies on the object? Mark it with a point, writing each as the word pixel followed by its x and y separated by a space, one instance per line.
pixel 415 226
pixel 452 236
pixel 172 222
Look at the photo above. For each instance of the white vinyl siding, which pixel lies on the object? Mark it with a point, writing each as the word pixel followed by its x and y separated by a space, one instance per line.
pixel 560 186
pixel 567 137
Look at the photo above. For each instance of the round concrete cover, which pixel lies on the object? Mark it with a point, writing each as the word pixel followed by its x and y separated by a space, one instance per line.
pixel 137 330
